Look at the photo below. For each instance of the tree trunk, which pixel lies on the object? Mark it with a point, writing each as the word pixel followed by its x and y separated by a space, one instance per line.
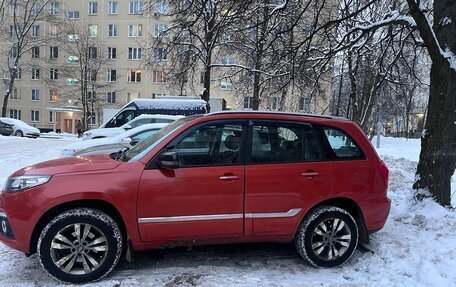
pixel 438 147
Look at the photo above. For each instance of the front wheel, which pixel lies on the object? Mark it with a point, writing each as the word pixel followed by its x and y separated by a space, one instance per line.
pixel 327 237
pixel 80 245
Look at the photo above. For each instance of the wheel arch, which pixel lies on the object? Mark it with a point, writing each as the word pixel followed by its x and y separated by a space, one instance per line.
pixel 101 205
pixel 351 207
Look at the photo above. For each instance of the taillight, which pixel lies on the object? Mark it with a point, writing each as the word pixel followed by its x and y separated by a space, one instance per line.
pixel 384 172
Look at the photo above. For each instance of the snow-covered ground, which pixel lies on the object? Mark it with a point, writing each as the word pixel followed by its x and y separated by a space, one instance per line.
pixel 416 247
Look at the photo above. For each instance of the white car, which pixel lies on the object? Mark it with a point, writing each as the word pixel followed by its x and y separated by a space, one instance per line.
pixel 22 129
pixel 113 144
pixel 139 120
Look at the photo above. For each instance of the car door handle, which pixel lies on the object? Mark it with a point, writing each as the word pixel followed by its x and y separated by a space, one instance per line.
pixel 310 173
pixel 229 177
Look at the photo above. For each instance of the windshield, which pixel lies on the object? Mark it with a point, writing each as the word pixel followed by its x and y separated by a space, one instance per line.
pixel 149 143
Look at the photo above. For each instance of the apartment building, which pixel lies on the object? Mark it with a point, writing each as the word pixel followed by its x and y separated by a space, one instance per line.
pixel 46 91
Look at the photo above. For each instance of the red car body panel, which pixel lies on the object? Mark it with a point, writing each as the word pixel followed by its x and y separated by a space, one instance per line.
pixel 248 200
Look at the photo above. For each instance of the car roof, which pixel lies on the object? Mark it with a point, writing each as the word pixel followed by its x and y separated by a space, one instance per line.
pixel 156 116
pixel 250 112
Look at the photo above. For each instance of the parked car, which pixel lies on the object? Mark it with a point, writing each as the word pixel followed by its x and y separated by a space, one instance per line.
pixel 139 120
pixel 223 177
pixel 113 144
pixel 6 129
pixel 179 106
pixel 22 129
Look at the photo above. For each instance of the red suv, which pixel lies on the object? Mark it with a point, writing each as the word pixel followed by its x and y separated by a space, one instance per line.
pixel 218 178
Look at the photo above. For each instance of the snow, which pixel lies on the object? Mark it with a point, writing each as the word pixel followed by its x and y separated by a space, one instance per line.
pixel 171 104
pixel 415 248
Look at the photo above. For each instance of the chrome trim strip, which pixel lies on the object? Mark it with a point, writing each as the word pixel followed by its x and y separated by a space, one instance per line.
pixel 2 214
pixel 291 213
pixel 189 218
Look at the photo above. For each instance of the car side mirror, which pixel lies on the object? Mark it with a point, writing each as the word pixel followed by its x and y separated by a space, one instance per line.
pixel 126 140
pixel 168 160
pixel 126 126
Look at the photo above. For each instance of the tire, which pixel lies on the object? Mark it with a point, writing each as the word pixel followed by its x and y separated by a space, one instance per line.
pixel 19 133
pixel 317 242
pixel 84 257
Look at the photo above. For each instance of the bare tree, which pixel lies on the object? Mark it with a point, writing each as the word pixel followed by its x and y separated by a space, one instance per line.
pixel 86 61
pixel 19 19
pixel 194 34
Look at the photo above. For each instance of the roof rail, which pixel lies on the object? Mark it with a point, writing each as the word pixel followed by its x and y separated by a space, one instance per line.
pixel 277 113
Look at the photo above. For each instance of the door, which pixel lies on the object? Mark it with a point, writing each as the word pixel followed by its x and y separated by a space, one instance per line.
pixel 68 125
pixel 284 174
pixel 203 197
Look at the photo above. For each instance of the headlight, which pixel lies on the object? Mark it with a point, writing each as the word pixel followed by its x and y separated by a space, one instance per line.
pixel 67 152
pixel 19 183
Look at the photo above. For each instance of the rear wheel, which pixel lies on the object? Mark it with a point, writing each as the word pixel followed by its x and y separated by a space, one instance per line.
pixel 19 133
pixel 327 237
pixel 80 245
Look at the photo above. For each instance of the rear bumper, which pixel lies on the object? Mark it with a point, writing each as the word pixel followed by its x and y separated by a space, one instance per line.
pixel 376 213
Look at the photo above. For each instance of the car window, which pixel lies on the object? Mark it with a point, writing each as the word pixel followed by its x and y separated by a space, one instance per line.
pixel 276 143
pixel 142 135
pixel 139 122
pixel 212 144
pixel 342 144
pixel 124 117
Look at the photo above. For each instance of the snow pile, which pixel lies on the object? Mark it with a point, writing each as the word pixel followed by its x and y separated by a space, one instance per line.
pixel 415 248
pixel 170 104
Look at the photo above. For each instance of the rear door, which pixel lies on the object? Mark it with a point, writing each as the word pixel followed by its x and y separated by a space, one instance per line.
pixel 285 172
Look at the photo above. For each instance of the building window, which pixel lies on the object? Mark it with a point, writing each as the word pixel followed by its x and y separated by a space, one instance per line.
pixel 228 61
pixel 93 30
pixel 91 118
pixel 72 82
pixel 13 52
pixel 112 30
pixel 135 30
pixel 134 76
pixel 51 117
pixel 54 96
pixel 14 9
pixel 92 53
pixel 54 52
pixel 273 103
pixel 35 74
pixel 133 96
pixel 91 76
pixel 15 114
pixel 248 103
pixel 35 95
pixel 111 97
pixel 202 77
pixel 158 77
pixel 35 30
pixel 36 8
pixel 73 15
pixel 53 74
pixel 112 75
pixel 34 116
pixel 113 7
pixel 161 7
pixel 73 59
pixel 16 73
pixel 91 96
pixel 304 105
pixel 226 86
pixel 15 31
pixel 54 8
pixel 160 30
pixel 15 94
pixel 73 37
pixel 135 7
pixel 112 53
pixel 134 53
pixel 159 54
pixel 35 52
pixel 53 31
pixel 93 8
